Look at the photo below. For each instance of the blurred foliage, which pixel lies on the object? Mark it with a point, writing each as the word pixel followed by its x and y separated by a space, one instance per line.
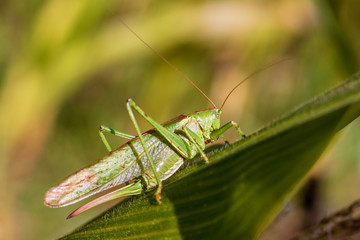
pixel 68 66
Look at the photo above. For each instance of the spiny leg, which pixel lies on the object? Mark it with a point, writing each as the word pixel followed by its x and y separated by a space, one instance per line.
pixel 130 104
pixel 174 140
pixel 193 137
pixel 103 129
pixel 241 133
pixel 180 145
pixel 219 132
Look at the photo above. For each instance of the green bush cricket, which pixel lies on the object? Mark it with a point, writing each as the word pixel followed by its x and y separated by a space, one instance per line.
pixel 145 160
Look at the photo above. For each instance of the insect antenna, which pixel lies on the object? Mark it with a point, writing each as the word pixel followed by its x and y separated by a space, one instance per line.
pixel 169 63
pixel 250 76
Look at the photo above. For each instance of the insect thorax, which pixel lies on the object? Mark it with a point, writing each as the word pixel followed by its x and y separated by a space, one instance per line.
pixel 208 120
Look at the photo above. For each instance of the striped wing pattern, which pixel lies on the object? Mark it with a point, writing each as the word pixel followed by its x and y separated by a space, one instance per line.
pixel 120 166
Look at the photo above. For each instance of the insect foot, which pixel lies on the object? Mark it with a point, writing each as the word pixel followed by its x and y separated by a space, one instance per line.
pixel 158 195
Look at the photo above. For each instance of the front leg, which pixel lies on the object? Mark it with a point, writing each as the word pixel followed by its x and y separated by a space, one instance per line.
pixel 219 132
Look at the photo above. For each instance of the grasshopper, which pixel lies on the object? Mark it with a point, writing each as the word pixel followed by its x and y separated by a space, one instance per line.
pixel 145 160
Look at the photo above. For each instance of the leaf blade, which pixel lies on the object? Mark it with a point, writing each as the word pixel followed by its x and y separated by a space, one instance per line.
pixel 243 187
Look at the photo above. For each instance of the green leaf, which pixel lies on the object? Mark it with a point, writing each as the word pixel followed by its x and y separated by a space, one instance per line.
pixel 245 185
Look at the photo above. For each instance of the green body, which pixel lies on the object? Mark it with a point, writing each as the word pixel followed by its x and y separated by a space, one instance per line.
pixel 133 169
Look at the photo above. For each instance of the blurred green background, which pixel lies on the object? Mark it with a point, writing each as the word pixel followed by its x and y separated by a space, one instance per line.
pixel 68 66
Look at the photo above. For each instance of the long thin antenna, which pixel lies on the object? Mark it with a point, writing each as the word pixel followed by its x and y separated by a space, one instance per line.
pixel 250 76
pixel 170 64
